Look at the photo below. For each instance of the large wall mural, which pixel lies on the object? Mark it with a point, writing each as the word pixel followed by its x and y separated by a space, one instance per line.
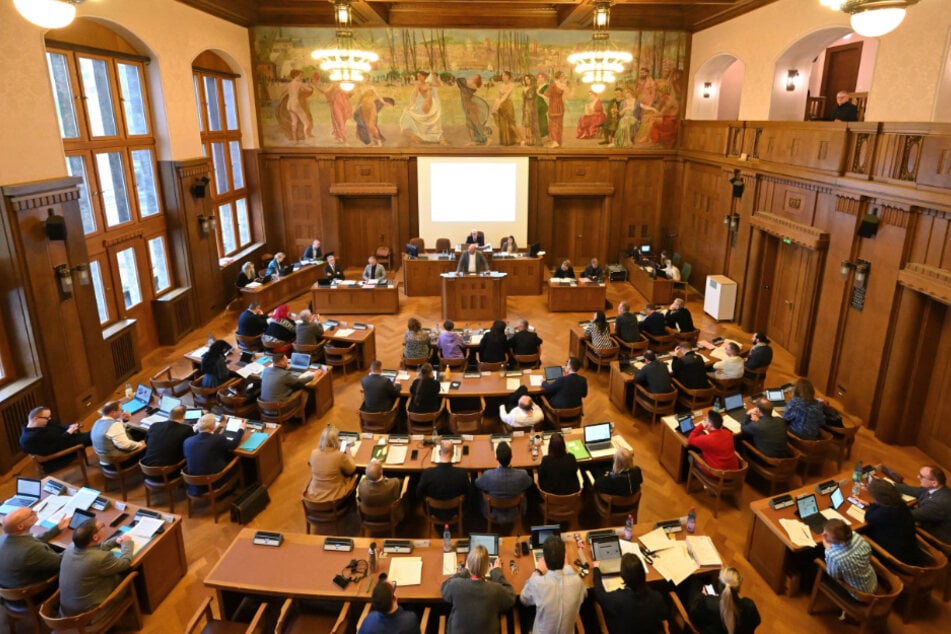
pixel 468 88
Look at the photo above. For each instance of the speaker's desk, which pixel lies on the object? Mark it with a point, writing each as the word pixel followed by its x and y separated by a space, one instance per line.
pixel 421 275
pixel 575 297
pixel 356 299
pixel 474 297
pixel 655 290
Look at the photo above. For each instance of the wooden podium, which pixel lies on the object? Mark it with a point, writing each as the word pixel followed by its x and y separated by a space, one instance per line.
pixel 479 297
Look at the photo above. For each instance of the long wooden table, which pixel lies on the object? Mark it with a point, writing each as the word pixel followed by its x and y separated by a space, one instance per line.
pixel 672 453
pixel 486 384
pixel 364 338
pixel 356 299
pixel 657 291
pixel 575 298
pixel 421 275
pixel 474 297
pixel 282 290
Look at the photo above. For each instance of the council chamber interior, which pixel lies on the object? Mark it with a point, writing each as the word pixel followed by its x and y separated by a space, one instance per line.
pixel 153 148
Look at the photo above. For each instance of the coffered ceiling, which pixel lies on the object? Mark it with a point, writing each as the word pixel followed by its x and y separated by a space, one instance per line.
pixel 689 15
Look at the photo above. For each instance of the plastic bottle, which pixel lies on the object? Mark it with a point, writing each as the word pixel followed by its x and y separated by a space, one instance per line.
pixel 446 373
pixel 435 437
pixel 580 544
pixel 857 479
pixel 518 546
pixel 629 528
pixel 446 539
pixel 211 339
pixel 371 558
pixel 691 520
pixel 128 390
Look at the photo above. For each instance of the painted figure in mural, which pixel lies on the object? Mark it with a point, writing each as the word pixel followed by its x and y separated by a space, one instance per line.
pixel 531 135
pixel 556 108
pixel 613 116
pixel 593 118
pixel 367 112
pixel 646 89
pixel 541 105
pixel 504 111
pixel 629 119
pixel 666 123
pixel 476 110
pixel 422 117
pixel 340 108
pixel 293 115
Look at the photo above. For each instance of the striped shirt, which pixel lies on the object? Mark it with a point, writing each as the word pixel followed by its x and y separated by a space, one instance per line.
pixel 557 596
pixel 850 564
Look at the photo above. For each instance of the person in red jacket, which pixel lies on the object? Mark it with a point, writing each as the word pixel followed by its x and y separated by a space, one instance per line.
pixel 714 442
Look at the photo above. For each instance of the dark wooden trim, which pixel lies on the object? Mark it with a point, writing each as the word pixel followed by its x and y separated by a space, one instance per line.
pixel 92 50
pixel 803 235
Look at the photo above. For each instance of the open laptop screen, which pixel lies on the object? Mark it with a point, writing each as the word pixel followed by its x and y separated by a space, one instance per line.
pixel 29 487
pixel 168 403
pixel 806 505
pixel 837 498
pixel 775 395
pixel 489 540
pixel 686 424
pixel 300 360
pixel 541 533
pixel 143 393
pixel 606 548
pixel 597 433
pixel 732 401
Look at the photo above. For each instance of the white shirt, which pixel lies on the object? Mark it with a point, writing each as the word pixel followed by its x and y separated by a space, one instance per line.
pixel 729 368
pixel 557 596
pixel 518 417
pixel 473 262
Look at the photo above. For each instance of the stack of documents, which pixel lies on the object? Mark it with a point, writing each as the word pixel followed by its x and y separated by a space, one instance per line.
pixel 799 534
pixel 396 454
pixel 406 571
pixel 703 550
pixel 675 564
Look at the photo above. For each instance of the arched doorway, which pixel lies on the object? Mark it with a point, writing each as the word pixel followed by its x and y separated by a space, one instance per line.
pixel 720 100
pixel 792 74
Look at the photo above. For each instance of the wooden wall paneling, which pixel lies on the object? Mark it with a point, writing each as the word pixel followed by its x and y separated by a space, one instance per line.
pixel 544 210
pixel 934 435
pixel 645 210
pixel 710 137
pixel 409 202
pixel 935 168
pixel 758 250
pixel 702 234
pixel 799 144
pixel 735 255
pixel 399 175
pixel 302 219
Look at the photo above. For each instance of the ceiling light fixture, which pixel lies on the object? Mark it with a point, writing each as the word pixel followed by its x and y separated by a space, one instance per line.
pixel 872 18
pixel 49 14
pixel 600 64
pixel 346 64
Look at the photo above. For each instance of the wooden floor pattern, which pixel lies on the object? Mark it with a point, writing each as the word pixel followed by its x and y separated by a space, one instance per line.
pixel 662 498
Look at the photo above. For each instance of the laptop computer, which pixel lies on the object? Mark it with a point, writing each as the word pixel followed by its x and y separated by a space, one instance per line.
pixel 192 414
pixel 28 493
pixel 489 540
pixel 141 400
pixel 300 362
pixel 734 406
pixel 685 424
pixel 807 508
pixel 552 372
pixel 166 405
pixel 597 440
pixel 79 518
pixel 837 498
pixel 776 396
pixel 607 550
pixel 539 535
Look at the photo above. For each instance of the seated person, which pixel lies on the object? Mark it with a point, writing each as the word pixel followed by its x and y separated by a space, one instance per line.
pixel 848 556
pixel 278 382
pixel 308 331
pixel 653 323
pixel 379 393
pixel 207 453
pixel 598 332
pixel 42 437
pixel 714 442
pixel 374 272
pixel 493 347
pixel 504 482
pixel 214 364
pixel 933 512
pixel 165 440
pixel 524 341
pixel 247 275
pixel 625 326
pixel 477 595
pixel 726 611
pixel 558 471
pixel 252 322
pixel 109 437
pixel 844 110
pixel 476 237
pixel 592 272
pixel 524 414
pixel 730 367
pixel 556 592
pixel 508 245
pixel 670 271
pixel 566 391
pixel 331 470
pixel 804 412
pixel 654 375
pixel 624 479
pixel 761 355
pixel 472 261
pixel 89 571
pixel 564 271
pixel 376 490
pixel 890 524
pixel 678 317
pixel 281 329
pixel 451 345
pixel 444 481
pixel 331 270
pixel 25 558
pixel 415 341
pixel 278 266
pixel 386 616
pixel 689 368
pixel 765 431
pixel 636 602
pixel 424 392
pixel 312 252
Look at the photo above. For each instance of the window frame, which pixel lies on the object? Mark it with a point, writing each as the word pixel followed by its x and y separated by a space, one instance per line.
pixel 168 268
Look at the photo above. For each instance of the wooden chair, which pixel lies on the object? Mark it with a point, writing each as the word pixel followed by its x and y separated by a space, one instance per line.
pixel 419 243
pixel 203 397
pixel 528 361
pixel 443 244
pixel 843 438
pixel 660 343
pixel 725 387
pixel 423 620
pixel 336 356
pixel 78 452
pixel 300 617
pixel 561 418
pixel 456 504
pixel 503 624
pixel 814 452
pixel 679 622
pixel 315 350
pixel 112 468
pixel 282 412
pixel 377 520
pixel 690 336
pixel 918 581
pixel 380 422
pixel 601 357
pixel 631 349
pixel 453 362
pixel 205 621
pixel 561 508
pixel 772 470
pixel 413 363
pixel 214 488
pixel 946 549
pixel 20 604
pixel 247 344
pixel 614 509
pixel 162 480
pixel 384 256
pixel 720 481
pixel 661 403
pixel 121 601
pixel 870 609
pixel 492 503
pixel 682 287
pixel 491 366
pixel 465 421
pixel 164 383
pixel 754 380
pixel 234 401
pixel 423 422
pixel 319 514
pixel 694 399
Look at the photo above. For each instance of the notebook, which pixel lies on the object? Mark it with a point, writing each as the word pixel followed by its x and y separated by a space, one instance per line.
pixel 300 361
pixel 607 550
pixel 733 406
pixel 141 400
pixel 552 372
pixel 28 493
pixel 808 510
pixel 597 440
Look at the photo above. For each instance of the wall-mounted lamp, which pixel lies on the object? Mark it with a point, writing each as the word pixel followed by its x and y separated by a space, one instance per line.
pixel 207 224
pixel 200 187
pixel 791 79
pixel 707 89
pixel 861 270
pixel 55 226
pixel 82 273
pixel 64 278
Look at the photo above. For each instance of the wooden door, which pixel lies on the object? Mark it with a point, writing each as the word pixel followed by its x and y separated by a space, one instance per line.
pixel 787 280
pixel 934 434
pixel 132 288
pixel 840 72
pixel 764 297
pixel 578 232
pixel 365 224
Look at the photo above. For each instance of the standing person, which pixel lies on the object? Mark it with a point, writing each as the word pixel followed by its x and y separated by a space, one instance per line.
pixel 415 341
pixel 714 442
pixel 367 112
pixel 558 471
pixel 386 616
pixel 424 392
pixel 541 105
pixel 292 108
pixel 729 612
pixel 646 87
pixel 422 116
pixel 89 572
pixel 556 94
pixel 42 437
pixel 629 119
pixel 625 326
pixel 477 601
pixel 475 109
pixel 26 559
pixel 340 109
pixel 109 437
pixel 804 412
pixel 531 135
pixel 933 512
pixel 331 469
pixel 504 111
pixel 472 261
pixel 214 364
pixel 634 609
pixel 557 593
pixel 450 343
pixel 379 393
pixel 566 391
pixel 308 331
pixel 609 129
pixel 848 556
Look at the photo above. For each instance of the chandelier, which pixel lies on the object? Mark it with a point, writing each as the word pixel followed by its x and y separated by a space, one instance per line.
pixel 49 14
pixel 346 64
pixel 872 18
pixel 600 64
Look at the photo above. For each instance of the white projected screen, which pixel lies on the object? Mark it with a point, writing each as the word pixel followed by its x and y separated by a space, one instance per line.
pixel 459 194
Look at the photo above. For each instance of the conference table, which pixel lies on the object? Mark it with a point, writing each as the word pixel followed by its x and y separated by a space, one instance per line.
pixel 524 273
pixel 672 453
pixel 356 298
pixel 656 290
pixel 491 384
pixel 574 296
pixel 281 290
pixel 301 568
pixel 474 297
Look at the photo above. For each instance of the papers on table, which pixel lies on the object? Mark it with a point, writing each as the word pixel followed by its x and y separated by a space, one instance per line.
pixel 456 454
pixel 656 540
pixel 799 534
pixel 82 500
pixel 402 375
pixel 675 564
pixel 856 513
pixel 731 423
pixel 670 421
pixel 631 547
pixel 148 420
pixel 406 571
pixel 444 387
pixel 145 527
pixel 720 352
pixel 251 368
pixel 396 454
pixel 344 332
pixel 703 550
pixel 512 384
pixel 449 563
pixel 832 514
pixel 138 541
pixel 612 582
pixel 253 285
pixel 199 352
pixel 50 511
pixel 535 380
pixel 475 339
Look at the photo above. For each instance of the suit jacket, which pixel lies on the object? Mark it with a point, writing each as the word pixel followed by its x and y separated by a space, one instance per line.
pixel 691 371
pixel 442 482
pixel 378 393
pixel 481 263
pixel 332 271
pixel 893 528
pixel 768 435
pixel 479 240
pixel 310 253
pixel 504 482
pixel 933 512
pixel 525 342
pixel 374 272
pixel 625 327
pixel 250 324
pixel 560 273
pixel 165 442
pixel 278 384
pixel 654 377
pixel 625 607
pixel 680 318
pixel 654 324
pixel 208 453
pixel 88 575
pixel 592 273
pixel 53 437
pixel 25 559
pixel 566 391
pixel 493 347
pixel 761 355
pixel 308 334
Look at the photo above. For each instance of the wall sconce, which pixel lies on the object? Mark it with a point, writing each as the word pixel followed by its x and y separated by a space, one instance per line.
pixel 791 80
pixel 732 221
pixel 707 89
pixel 64 278
pixel 199 189
pixel 82 273
pixel 207 224
pixel 861 270
pixel 55 226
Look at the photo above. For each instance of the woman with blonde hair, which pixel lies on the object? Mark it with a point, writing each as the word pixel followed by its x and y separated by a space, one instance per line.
pixel 477 601
pixel 331 470
pixel 624 479
pixel 247 275
pixel 729 612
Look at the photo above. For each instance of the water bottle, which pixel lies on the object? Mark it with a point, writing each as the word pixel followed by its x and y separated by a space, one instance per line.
pixel 580 544
pixel 128 390
pixel 446 539
pixel 629 528
pixel 435 437
pixel 211 339
pixel 691 520
pixel 518 546
pixel 857 479
pixel 371 558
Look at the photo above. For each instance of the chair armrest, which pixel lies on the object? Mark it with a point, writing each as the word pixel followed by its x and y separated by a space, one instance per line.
pixel 62 453
pixel 342 618
pixel 589 476
pixel 257 626
pixel 283 615
pixel 404 488
pixel 204 611
pixel 580 480
pixel 424 621
pixel 363 616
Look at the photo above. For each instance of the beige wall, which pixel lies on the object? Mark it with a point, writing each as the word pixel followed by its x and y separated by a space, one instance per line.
pixel 907 70
pixel 173 35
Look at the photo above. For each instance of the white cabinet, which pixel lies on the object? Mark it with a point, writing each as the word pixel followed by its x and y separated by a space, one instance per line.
pixel 719 297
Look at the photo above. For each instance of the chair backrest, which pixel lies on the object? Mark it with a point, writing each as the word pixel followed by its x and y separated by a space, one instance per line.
pixel 679 619
pixel 282 411
pixel 379 422
pixel 456 504
pixel 329 511
pixel 675 258
pixel 207 482
pixel 559 507
pixel 528 360
pixel 685 271
pixel 313 349
pixel 336 353
pixel 565 416
pixel 163 472
pixel 247 343
pixel 657 400
pixel 619 506
pixel 27 596
pixel 422 422
pixel 419 243
pixel 110 611
pixel 492 503
pixel 695 398
pixel 443 244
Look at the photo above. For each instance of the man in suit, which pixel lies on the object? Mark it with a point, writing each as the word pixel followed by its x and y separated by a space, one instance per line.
pixel 845 110
pixel 566 391
pixel 476 237
pixel 278 383
pixel 503 482
pixel 166 439
pixel 308 330
pixel 933 512
pixel 42 437
pixel 331 271
pixel 592 272
pixel 678 317
pixel 373 271
pixel 312 252
pixel 444 481
pixel 654 375
pixel 375 490
pixel 525 341
pixel 252 322
pixel 625 326
pixel 689 368
pixel 765 431
pixel 472 261
pixel 379 392
pixel 653 323
pixel 207 452
pixel 24 558
pixel 89 571
pixel 761 355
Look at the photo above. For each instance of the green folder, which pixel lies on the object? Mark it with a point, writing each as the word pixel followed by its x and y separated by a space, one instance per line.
pixel 379 452
pixel 577 449
pixel 255 440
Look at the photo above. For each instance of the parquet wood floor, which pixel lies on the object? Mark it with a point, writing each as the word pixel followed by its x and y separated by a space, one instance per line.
pixel 662 499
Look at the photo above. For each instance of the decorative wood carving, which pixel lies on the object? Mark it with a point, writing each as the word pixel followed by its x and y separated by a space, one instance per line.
pixel 581 189
pixel 359 190
pixel 795 232
pixel 929 280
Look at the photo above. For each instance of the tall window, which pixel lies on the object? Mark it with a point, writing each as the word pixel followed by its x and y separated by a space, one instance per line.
pixel 221 140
